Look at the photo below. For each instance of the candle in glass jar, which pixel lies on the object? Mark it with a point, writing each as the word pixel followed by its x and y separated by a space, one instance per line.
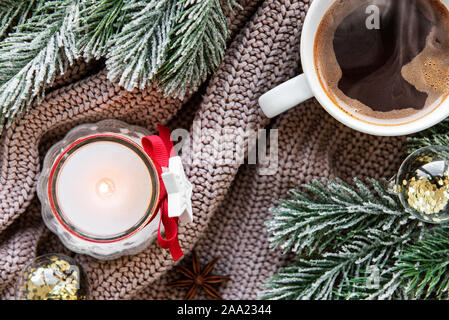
pixel 103 187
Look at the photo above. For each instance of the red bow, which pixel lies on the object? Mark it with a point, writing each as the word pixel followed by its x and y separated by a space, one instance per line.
pixel 160 149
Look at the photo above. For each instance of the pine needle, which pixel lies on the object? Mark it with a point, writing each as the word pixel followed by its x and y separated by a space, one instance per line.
pixel 138 50
pixel 304 224
pixel 425 265
pixel 13 13
pixel 176 43
pixel 340 233
pixel 100 20
pixel 196 48
pixel 34 53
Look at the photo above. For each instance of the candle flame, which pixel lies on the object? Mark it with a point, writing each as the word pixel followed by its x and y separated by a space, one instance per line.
pixel 105 187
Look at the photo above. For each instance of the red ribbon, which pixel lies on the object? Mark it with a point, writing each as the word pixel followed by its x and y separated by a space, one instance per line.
pixel 160 149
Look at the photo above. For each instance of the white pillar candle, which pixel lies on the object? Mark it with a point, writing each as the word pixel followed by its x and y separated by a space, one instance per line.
pixel 99 190
pixel 102 188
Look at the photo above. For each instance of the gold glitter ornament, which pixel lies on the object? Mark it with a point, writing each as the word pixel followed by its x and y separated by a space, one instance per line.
pixel 422 184
pixel 53 277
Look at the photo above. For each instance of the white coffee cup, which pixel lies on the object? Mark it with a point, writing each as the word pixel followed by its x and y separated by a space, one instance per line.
pixel 307 85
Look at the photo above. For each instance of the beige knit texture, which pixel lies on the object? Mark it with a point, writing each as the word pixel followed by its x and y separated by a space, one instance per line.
pixel 230 201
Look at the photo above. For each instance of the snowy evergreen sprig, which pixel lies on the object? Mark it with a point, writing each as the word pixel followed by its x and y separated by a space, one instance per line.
pixel 368 256
pixel 341 234
pixel 425 265
pixel 12 13
pixel 325 215
pixel 176 43
pixel 38 49
pixel 138 50
pixel 337 230
pixel 196 48
pixel 100 20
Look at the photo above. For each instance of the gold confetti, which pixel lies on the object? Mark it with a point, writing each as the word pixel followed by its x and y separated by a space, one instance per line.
pixel 428 195
pixel 54 279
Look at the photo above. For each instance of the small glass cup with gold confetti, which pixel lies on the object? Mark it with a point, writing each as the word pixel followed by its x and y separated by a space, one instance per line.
pixel 53 277
pixel 422 184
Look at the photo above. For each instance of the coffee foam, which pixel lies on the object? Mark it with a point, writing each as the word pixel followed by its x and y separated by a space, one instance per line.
pixel 428 72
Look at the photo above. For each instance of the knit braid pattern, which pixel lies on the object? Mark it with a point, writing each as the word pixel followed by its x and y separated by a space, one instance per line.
pixel 230 200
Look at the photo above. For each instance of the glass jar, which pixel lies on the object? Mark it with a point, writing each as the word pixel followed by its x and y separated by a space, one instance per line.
pixel 52 277
pixel 422 184
pixel 109 217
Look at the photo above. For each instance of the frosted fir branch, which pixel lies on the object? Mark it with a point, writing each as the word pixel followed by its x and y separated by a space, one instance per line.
pixel 230 6
pixel 424 265
pixel 13 13
pixel 100 20
pixel 343 274
pixel 196 48
pixel 181 44
pixel 341 233
pixel 31 56
pixel 339 243
pixel 322 217
pixel 391 285
pixel 138 50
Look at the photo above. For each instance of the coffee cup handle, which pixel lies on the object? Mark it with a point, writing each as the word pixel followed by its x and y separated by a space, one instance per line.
pixel 285 96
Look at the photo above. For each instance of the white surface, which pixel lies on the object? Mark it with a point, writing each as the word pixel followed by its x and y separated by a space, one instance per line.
pixel 179 191
pixel 104 188
pixel 285 96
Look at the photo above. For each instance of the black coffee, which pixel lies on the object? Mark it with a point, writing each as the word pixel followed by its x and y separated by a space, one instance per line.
pixel 384 59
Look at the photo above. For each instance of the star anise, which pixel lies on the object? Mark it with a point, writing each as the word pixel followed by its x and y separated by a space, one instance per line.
pixel 197 278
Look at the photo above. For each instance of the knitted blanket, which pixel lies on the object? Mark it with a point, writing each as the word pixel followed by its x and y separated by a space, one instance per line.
pixel 230 201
